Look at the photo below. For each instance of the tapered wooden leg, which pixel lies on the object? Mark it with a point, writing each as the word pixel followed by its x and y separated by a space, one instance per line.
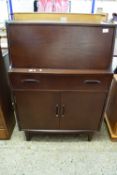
pixel 90 136
pixel 28 136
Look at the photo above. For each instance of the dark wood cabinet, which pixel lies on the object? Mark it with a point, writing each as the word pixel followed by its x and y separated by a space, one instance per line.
pixel 7 118
pixel 60 75
pixel 59 110
pixel 56 101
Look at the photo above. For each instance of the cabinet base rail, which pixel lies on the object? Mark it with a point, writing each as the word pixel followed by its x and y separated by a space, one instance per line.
pixel 29 133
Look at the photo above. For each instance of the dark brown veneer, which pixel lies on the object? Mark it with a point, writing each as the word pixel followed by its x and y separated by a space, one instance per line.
pixel 60 75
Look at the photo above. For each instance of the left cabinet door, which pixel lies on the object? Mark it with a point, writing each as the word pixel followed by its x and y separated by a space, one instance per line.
pixel 37 110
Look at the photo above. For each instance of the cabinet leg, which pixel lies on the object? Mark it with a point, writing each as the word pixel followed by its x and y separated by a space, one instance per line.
pixel 28 136
pixel 90 136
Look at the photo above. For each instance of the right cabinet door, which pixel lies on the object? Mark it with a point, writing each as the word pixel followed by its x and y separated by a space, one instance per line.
pixel 81 110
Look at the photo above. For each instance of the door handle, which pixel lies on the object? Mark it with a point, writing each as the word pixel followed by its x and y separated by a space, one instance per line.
pixel 92 81
pixel 63 110
pixel 30 80
pixel 57 110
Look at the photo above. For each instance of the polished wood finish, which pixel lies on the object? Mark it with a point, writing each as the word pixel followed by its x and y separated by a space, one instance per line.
pixel 61 71
pixel 60 106
pixel 7 119
pixel 77 110
pixel 41 111
pixel 111 110
pixel 68 17
pixel 60 45
pixel 60 75
pixel 4 134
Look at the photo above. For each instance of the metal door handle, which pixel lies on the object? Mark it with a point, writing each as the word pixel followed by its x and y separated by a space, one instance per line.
pixel 63 110
pixel 57 110
pixel 92 81
pixel 30 80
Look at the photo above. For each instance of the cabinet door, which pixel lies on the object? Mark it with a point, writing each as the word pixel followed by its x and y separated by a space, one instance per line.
pixel 81 110
pixel 37 110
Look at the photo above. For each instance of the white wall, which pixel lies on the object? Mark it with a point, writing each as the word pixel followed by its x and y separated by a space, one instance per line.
pixel 3 10
pixel 108 6
pixel 77 6
pixel 84 6
pixel 22 5
pixel 81 6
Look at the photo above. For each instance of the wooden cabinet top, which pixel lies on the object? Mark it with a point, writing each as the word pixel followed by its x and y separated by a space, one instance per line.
pixel 60 22
pixel 60 71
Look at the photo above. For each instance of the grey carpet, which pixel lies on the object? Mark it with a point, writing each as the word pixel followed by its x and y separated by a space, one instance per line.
pixel 61 155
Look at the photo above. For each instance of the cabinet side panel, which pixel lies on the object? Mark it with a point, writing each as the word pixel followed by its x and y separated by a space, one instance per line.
pixel 6 107
pixel 111 109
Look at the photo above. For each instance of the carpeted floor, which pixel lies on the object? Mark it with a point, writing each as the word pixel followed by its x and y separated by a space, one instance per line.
pixel 58 155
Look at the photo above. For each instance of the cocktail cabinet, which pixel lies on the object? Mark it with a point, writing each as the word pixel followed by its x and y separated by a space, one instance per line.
pixel 60 75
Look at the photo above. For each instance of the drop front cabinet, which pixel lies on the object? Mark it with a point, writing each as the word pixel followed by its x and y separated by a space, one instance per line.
pixel 60 75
